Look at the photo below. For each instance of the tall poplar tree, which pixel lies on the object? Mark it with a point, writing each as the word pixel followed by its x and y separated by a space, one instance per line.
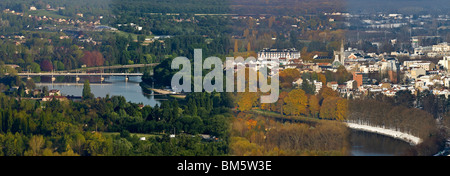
pixel 87 91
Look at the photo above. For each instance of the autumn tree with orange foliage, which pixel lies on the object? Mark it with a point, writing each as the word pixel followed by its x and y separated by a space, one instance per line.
pixel 251 124
pixel 341 109
pixel 334 108
pixel 328 108
pixel 288 76
pixel 278 105
pixel 92 58
pixel 254 135
pixel 326 92
pixel 246 100
pixel 308 56
pixel 296 103
pixel 322 78
pixel 236 46
pixel 314 106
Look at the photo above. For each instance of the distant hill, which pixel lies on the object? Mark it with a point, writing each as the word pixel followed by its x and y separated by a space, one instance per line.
pixel 276 7
pixel 399 6
pixel 284 7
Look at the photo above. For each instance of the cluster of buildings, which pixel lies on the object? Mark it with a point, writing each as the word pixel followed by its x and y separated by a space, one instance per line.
pixel 17 39
pixel 415 75
pixel 438 50
pixel 133 25
pixel 271 58
pixel 56 20
pixel 94 25
pixel 47 7
pixel 52 94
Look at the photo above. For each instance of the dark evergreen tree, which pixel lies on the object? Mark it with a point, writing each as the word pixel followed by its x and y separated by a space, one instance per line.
pixel 87 91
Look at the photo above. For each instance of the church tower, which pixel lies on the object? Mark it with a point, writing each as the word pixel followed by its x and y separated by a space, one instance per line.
pixel 341 53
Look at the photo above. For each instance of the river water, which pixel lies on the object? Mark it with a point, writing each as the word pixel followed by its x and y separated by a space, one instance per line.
pixel 371 144
pixel 362 143
pixel 114 85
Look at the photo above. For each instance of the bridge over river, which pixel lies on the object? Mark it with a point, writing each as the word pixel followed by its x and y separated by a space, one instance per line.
pixel 82 71
pixel 114 67
pixel 78 74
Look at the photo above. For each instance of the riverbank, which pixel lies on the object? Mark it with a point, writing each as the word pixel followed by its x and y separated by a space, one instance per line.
pixel 413 140
pixel 161 91
pixel 255 133
pixel 170 93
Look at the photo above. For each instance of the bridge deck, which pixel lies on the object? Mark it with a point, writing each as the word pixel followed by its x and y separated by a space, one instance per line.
pixel 114 67
pixel 80 74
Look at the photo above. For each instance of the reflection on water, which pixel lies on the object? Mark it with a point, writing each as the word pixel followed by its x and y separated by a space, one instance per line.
pixel 371 144
pixel 114 85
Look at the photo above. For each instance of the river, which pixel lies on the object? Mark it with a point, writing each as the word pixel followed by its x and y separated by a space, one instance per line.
pixel 362 143
pixel 372 144
pixel 114 85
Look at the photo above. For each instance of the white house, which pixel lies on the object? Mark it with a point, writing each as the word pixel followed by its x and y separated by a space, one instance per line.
pixel 298 82
pixel 441 48
pixel 445 62
pixel 318 85
pixel 350 84
pixel 54 92
pixel 289 54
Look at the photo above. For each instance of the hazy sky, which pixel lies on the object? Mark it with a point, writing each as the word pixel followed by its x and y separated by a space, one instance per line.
pixel 400 6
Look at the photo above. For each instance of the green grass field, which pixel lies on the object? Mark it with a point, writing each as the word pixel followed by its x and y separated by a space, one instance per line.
pixel 133 36
pixel 42 12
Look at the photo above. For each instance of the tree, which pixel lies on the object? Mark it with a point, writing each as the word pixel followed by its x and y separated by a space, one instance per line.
pixel 314 106
pixel 296 102
pixel 246 32
pixel 92 58
pixel 342 75
pixel 246 101
pixel 341 109
pixel 308 87
pixel 98 145
pixel 46 65
pixel 322 78
pixel 326 92
pixel 328 108
pixel 217 126
pixel 87 91
pixel 45 91
pixel 30 84
pixel 122 147
pixel 405 98
pixel 78 143
pixel 236 47
pixel 288 76
pixel 277 106
pixel 36 144
pixel 34 67
pixel 271 21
